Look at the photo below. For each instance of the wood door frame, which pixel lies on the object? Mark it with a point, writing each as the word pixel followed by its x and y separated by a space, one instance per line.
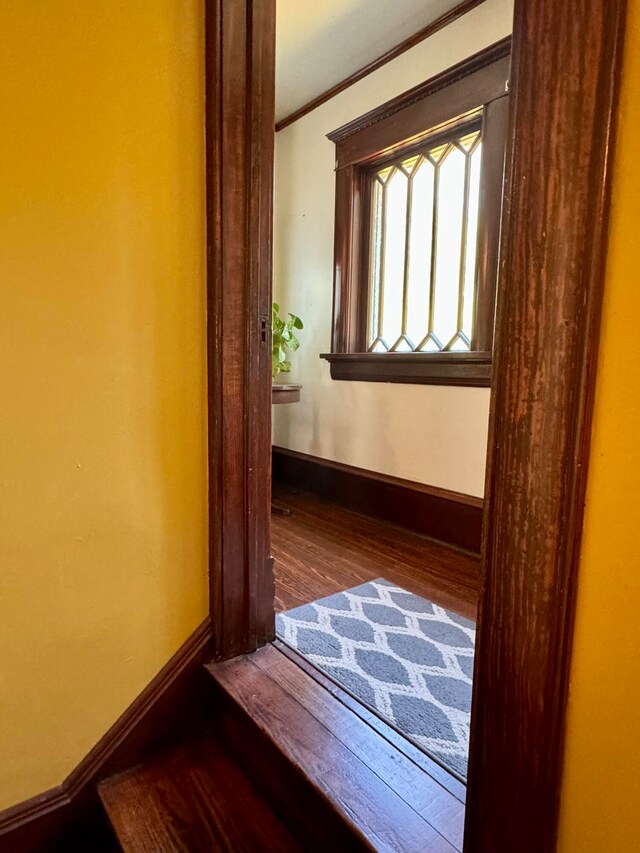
pixel 239 91
pixel 564 85
pixel 566 61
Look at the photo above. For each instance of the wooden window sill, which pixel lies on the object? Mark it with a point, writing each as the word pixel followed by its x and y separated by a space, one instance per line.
pixel 413 368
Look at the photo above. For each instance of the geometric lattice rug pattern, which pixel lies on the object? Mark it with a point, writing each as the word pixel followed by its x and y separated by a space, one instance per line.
pixel 404 657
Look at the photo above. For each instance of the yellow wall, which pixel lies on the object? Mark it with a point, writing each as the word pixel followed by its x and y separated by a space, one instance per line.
pixel 102 367
pixel 600 810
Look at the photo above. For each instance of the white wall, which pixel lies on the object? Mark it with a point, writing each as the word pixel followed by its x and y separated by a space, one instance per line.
pixel 428 433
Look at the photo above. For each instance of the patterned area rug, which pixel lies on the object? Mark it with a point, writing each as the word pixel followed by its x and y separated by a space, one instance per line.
pixel 406 658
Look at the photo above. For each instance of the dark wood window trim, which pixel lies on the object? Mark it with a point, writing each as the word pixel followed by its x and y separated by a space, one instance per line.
pixel 441 368
pixel 473 90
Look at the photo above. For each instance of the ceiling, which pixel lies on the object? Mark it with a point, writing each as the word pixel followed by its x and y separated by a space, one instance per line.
pixel 320 42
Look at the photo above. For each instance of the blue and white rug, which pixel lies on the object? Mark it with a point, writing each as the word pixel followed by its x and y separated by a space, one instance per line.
pixel 403 656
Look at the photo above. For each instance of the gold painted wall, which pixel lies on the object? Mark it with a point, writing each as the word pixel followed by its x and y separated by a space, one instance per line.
pixel 102 377
pixel 600 809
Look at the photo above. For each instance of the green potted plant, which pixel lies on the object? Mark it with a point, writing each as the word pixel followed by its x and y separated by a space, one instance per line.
pixel 283 339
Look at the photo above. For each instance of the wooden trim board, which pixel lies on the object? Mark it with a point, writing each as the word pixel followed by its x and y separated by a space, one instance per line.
pixel 469 369
pixel 381 726
pixel 564 90
pixel 444 100
pixel 174 703
pixel 240 73
pixel 450 517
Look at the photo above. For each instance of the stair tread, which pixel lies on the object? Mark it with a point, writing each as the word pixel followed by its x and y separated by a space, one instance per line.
pixel 391 803
pixel 193 798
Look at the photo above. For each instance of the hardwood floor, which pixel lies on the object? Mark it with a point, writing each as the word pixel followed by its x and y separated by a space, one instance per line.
pixel 297 762
pixel 191 800
pixel 304 765
pixel 321 549
pixel 387 799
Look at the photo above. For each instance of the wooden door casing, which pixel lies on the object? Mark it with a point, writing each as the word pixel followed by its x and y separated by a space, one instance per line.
pixel 240 69
pixel 564 87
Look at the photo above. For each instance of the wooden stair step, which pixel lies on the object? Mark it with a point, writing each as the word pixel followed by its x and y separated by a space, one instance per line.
pixel 325 766
pixel 191 799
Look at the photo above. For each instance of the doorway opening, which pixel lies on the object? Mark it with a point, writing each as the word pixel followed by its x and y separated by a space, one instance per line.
pixel 379 456
pixel 549 294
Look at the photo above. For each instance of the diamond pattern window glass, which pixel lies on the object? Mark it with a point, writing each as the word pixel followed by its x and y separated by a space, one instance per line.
pixel 423 235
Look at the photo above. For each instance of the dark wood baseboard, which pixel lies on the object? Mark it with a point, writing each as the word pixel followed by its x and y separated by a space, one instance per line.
pixel 449 517
pixel 70 816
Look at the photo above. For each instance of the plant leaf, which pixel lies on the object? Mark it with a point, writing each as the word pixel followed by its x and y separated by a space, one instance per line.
pixel 283 339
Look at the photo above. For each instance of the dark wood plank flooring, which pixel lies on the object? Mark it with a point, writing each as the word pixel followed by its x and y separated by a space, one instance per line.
pixel 378 724
pixel 321 549
pixel 192 799
pixel 389 799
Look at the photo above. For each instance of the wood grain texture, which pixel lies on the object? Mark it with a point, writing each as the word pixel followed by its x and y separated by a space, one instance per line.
pixel 322 549
pixel 69 817
pixel 417 756
pixel 376 789
pixel 249 722
pixel 416 38
pixel 564 87
pixel 240 40
pixel 191 800
pixel 424 793
pixel 450 517
pixel 309 814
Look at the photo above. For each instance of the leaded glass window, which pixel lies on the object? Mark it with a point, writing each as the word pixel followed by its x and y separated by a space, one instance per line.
pixel 418 216
pixel 423 236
